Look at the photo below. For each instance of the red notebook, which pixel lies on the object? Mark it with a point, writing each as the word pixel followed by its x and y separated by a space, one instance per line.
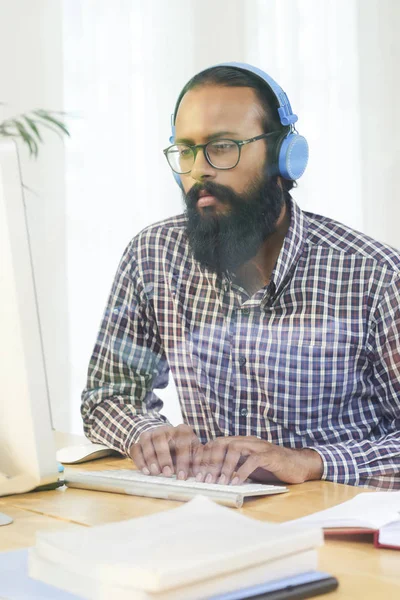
pixel 373 514
pixel 387 536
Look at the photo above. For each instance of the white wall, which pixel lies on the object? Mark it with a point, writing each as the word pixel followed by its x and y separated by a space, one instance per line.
pixel 379 51
pixel 31 76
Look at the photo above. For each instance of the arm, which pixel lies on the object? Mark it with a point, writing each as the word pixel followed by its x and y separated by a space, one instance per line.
pixel 369 462
pixel 127 363
pixel 375 462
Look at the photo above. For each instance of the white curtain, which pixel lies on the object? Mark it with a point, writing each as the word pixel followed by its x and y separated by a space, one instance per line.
pixel 125 63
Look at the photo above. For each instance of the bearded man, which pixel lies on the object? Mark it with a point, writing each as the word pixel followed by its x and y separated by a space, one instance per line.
pixel 280 327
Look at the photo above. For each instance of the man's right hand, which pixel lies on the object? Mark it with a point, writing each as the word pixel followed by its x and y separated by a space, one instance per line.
pixel 166 450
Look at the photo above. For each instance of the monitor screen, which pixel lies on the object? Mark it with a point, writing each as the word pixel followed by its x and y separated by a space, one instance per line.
pixel 27 448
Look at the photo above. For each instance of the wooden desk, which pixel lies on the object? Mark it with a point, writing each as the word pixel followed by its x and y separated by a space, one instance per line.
pixel 363 571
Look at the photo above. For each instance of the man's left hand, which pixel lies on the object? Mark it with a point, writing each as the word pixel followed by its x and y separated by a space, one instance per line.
pixel 234 459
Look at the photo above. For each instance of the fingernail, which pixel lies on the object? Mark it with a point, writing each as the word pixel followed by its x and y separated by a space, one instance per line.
pixel 154 469
pixel 167 471
pixel 199 477
pixel 181 475
pixel 222 479
pixel 145 471
pixel 235 481
pixel 209 478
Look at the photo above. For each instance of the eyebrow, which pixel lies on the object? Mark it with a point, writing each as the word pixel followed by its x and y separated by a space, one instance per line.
pixel 209 138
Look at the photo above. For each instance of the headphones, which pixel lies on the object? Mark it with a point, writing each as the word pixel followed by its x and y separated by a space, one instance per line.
pixel 290 155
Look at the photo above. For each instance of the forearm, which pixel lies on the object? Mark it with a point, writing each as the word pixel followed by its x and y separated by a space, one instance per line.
pixel 116 422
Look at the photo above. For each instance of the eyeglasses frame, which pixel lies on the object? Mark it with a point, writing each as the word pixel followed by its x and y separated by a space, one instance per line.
pixel 195 148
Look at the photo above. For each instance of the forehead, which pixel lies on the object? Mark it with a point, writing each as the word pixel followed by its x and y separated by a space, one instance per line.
pixel 211 108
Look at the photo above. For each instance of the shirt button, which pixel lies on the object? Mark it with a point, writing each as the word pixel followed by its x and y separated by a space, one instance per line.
pixel 242 361
pixel 244 412
pixel 245 311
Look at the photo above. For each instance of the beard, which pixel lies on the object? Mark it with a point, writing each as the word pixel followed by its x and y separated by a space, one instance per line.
pixel 224 242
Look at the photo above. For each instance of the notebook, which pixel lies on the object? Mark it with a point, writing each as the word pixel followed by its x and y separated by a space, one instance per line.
pixel 369 512
pixel 128 481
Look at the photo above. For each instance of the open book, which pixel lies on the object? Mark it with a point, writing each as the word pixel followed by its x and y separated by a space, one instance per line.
pixel 194 551
pixel 370 512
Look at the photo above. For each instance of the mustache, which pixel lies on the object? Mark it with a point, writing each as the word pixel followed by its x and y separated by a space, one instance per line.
pixel 223 193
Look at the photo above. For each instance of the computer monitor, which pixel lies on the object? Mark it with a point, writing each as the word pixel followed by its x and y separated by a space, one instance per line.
pixel 27 446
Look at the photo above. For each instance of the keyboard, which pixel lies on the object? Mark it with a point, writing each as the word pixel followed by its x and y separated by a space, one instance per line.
pixel 129 481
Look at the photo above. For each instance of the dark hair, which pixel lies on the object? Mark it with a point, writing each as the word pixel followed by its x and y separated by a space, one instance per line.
pixel 236 77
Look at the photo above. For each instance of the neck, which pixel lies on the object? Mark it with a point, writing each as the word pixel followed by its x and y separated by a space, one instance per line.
pixel 256 272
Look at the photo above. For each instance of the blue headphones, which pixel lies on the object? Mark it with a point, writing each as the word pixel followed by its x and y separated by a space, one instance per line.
pixel 291 149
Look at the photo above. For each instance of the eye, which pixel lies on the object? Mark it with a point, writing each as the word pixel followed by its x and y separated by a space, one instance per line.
pixel 184 151
pixel 222 147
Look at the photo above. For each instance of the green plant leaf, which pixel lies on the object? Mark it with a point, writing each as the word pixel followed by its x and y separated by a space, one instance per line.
pixel 48 117
pixel 26 136
pixel 33 126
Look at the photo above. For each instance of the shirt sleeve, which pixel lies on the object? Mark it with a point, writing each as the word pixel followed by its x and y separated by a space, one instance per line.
pixel 375 462
pixel 127 363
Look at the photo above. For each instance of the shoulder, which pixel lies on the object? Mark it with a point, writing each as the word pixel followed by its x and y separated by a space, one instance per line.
pixel 336 238
pixel 161 242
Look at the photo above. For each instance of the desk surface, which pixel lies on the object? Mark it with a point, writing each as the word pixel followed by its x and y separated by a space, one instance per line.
pixel 363 571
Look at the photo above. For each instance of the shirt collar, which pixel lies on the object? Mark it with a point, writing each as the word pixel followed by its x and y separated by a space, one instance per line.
pixel 292 247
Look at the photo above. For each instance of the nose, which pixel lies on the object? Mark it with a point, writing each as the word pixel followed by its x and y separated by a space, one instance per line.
pixel 202 169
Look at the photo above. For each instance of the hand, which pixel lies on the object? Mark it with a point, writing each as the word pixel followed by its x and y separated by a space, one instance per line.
pixel 234 459
pixel 165 450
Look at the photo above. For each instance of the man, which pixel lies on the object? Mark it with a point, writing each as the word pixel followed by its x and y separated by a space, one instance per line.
pixel 280 328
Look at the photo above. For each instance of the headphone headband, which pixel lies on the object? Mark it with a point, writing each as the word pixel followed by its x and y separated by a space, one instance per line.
pixel 286 115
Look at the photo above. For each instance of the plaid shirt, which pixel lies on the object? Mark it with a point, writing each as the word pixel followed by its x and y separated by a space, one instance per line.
pixel 311 360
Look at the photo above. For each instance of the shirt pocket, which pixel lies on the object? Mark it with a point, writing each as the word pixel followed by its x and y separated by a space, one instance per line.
pixel 308 377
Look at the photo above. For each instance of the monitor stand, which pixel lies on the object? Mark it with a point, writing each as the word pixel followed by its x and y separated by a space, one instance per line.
pixel 5 520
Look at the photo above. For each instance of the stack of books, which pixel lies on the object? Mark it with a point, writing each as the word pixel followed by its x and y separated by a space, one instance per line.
pixel 198 550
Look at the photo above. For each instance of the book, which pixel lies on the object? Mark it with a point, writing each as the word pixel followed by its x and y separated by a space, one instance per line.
pixel 88 586
pixel 194 551
pixel 376 513
pixel 16 585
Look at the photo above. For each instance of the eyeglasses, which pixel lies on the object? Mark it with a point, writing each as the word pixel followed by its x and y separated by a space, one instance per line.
pixel 220 154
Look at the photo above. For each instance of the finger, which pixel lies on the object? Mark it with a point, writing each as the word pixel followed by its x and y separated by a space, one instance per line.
pixel 138 458
pixel 205 458
pixel 149 454
pixel 212 471
pixel 197 456
pixel 233 457
pixel 212 459
pixel 253 462
pixel 161 445
pixel 183 441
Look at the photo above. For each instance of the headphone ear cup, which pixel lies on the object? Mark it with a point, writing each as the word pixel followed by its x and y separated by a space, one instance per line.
pixel 292 156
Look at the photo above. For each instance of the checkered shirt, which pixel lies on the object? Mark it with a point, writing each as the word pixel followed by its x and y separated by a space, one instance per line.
pixel 311 360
